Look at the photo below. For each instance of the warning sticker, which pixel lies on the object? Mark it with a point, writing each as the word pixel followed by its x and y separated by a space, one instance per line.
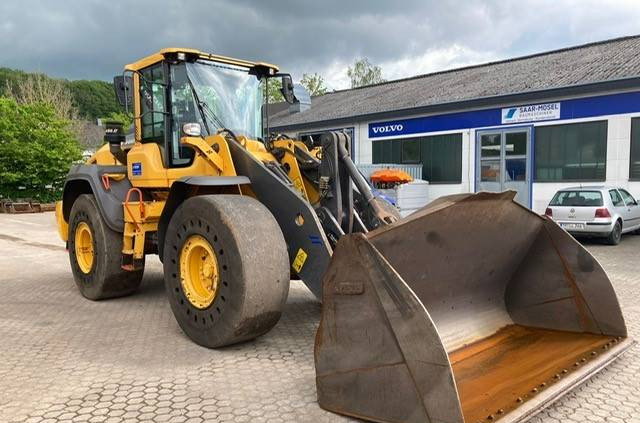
pixel 298 262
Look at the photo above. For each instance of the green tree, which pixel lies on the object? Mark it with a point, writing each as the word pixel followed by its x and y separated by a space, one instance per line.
pixel 94 99
pixel 36 149
pixel 314 84
pixel 364 73
pixel 39 88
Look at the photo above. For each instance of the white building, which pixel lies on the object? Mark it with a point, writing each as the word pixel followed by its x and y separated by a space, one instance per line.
pixel 533 124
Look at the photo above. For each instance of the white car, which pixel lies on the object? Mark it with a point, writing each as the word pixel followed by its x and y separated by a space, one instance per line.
pixel 602 211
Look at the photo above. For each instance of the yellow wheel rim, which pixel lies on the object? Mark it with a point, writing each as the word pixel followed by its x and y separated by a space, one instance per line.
pixel 84 247
pixel 199 271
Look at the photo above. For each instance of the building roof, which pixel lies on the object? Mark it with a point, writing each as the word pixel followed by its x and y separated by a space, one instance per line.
pixel 615 59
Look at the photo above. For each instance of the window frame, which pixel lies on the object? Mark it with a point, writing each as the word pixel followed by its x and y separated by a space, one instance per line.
pixel 622 192
pixel 634 132
pixel 166 116
pixel 385 153
pixel 170 122
pixel 536 143
pixel 613 190
pixel 406 141
pixel 555 200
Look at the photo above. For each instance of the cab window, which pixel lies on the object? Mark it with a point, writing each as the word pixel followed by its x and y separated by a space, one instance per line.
pixel 183 110
pixel 152 104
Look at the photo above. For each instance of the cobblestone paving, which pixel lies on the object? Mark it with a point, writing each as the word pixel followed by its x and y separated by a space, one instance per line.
pixel 66 359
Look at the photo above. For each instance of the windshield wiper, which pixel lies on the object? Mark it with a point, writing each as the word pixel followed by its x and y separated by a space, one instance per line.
pixel 202 106
pixel 212 115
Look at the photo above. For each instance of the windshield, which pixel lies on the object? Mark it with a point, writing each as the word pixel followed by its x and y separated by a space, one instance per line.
pixel 229 97
pixel 577 199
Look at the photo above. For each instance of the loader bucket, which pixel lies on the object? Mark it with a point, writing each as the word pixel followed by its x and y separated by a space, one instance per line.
pixel 473 309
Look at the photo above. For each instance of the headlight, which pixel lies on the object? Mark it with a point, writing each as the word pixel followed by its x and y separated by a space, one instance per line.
pixel 192 129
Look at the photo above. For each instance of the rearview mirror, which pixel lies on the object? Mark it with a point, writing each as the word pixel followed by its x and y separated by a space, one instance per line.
pixel 123 86
pixel 287 88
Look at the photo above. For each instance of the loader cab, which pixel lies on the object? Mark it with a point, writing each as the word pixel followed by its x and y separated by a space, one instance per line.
pixel 179 86
pixel 165 104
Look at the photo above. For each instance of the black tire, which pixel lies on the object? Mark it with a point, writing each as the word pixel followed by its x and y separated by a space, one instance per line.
pixel 253 266
pixel 106 279
pixel 615 235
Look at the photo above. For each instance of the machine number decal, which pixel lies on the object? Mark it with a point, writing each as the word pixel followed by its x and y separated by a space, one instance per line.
pixel 136 169
pixel 298 262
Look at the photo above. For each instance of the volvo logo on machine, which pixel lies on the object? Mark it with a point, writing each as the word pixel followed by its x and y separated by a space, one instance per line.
pixel 531 113
pixel 387 129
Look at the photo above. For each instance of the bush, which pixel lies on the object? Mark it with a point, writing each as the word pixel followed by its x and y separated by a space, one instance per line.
pixel 36 151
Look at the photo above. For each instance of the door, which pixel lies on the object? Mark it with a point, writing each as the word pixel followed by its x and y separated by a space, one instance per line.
pixel 632 210
pixel 619 207
pixel 503 162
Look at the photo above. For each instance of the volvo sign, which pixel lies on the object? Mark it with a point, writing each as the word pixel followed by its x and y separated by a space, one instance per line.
pixel 383 130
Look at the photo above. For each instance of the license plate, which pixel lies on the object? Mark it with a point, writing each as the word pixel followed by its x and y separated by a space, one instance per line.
pixel 572 225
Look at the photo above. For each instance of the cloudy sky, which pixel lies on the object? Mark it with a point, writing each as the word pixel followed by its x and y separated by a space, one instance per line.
pixel 93 39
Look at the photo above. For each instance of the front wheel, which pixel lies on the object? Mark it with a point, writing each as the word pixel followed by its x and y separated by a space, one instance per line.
pixel 95 253
pixel 615 235
pixel 226 269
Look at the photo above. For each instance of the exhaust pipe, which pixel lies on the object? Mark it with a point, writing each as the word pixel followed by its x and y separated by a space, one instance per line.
pixel 472 309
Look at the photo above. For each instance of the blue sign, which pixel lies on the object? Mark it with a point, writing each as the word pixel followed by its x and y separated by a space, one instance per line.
pixel 568 109
pixel 136 169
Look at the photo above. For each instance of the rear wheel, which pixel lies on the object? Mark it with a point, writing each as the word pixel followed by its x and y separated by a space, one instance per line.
pixel 615 235
pixel 226 269
pixel 95 254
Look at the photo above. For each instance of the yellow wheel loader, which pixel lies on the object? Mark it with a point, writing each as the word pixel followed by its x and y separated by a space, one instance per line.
pixel 471 309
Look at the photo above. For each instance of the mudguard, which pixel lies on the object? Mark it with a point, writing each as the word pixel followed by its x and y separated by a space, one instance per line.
pixel 87 179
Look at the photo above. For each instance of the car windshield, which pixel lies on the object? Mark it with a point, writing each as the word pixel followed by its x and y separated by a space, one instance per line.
pixel 230 97
pixel 577 199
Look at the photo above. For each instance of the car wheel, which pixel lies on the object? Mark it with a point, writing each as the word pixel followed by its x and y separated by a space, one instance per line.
pixel 615 235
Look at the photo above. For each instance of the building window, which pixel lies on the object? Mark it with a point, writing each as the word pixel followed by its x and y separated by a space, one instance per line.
pixel 634 162
pixel 411 151
pixel 440 155
pixel 572 152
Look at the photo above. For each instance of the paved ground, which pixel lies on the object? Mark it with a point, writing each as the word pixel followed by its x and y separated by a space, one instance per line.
pixel 63 358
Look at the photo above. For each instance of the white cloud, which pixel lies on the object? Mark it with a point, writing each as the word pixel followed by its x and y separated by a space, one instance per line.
pixel 94 39
pixel 490 31
pixel 433 60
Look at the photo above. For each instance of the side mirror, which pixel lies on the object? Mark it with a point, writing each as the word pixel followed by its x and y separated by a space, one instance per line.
pixel 123 86
pixel 287 88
